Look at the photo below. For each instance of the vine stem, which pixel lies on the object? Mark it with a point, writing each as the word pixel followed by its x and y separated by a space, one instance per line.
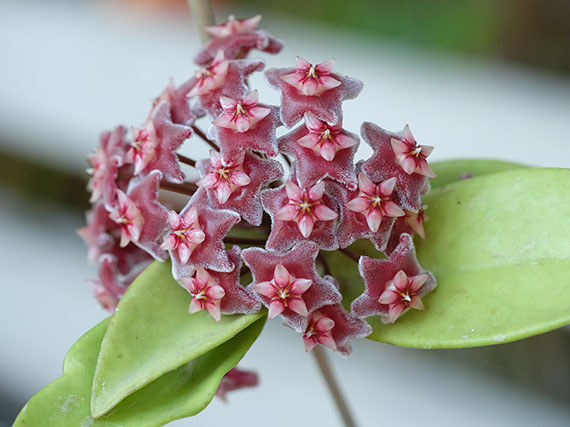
pixel 325 368
pixel 203 16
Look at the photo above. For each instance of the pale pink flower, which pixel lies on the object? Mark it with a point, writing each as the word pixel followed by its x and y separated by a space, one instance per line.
pixel 305 207
pixel 206 293
pixel 98 161
pixel 375 201
pixel 241 115
pixel 186 233
pixel 210 78
pixel 324 139
pixel 284 291
pixel 319 331
pixel 411 155
pixel 129 218
pixel 401 293
pixel 312 80
pixel 224 179
pixel 412 222
pixel 143 147
pixel 234 26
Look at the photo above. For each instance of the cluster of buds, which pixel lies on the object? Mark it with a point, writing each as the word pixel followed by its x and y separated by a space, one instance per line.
pixel 292 196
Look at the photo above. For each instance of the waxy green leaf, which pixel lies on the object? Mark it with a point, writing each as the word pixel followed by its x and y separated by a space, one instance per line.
pixel 498 246
pixel 449 171
pixel 151 333
pixel 178 394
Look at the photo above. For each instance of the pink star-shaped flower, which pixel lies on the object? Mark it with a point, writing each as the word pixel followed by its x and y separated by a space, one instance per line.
pixel 154 146
pixel 411 155
pixel 298 215
pixel 375 202
pixel 384 165
pixel 237 186
pixel 241 115
pixel 300 264
pixel 353 226
pixel 245 125
pixel 312 80
pixel 141 217
pixel 210 253
pixel 218 80
pixel 321 151
pixel 284 291
pixel 383 278
pixel 234 380
pixel 326 101
pixel 177 98
pixel 219 292
pixel 236 38
pixel 186 234
pixel 333 327
pixel 410 223
pixel 105 163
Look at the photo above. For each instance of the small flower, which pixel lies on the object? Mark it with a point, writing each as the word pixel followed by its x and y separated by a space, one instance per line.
pixel 305 207
pixel 325 97
pixel 234 26
pixel 236 38
pixel 324 139
pixel 310 292
pixel 383 165
pixel 129 218
pixel 224 179
pixel 284 291
pixel 319 331
pixel 411 155
pixel 206 293
pixel 312 80
pixel 177 99
pixel 234 380
pixel 185 235
pixel 401 293
pixel 333 327
pixel 394 284
pixel 211 77
pixel 143 147
pixel 213 225
pixel 244 199
pixel 375 201
pixel 411 223
pixel 241 115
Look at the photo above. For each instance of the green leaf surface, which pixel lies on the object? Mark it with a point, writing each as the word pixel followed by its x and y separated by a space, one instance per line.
pixel 449 171
pixel 180 393
pixel 151 334
pixel 499 248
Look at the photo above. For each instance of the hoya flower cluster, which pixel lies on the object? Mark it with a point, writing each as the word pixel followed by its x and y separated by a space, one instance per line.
pixel 255 226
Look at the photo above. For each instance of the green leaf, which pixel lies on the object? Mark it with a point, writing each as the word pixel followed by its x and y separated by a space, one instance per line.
pixel 181 393
pixel 65 402
pixel 449 171
pixel 498 246
pixel 151 333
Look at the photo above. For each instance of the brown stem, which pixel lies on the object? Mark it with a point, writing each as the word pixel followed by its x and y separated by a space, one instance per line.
pixel 186 160
pixel 244 241
pixel 186 188
pixel 324 263
pixel 203 17
pixel 203 136
pixel 325 368
pixel 350 254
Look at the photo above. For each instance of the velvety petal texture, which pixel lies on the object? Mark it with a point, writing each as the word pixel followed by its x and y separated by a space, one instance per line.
pixel 384 165
pixel 381 275
pixel 326 105
pixel 242 182
pixel 298 263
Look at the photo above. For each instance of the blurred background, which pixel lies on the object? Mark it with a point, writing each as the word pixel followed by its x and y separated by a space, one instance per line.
pixel 475 78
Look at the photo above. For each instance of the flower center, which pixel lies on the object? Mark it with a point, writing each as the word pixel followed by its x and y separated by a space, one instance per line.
pixel 326 134
pixel 240 110
pixel 405 296
pixel 312 73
